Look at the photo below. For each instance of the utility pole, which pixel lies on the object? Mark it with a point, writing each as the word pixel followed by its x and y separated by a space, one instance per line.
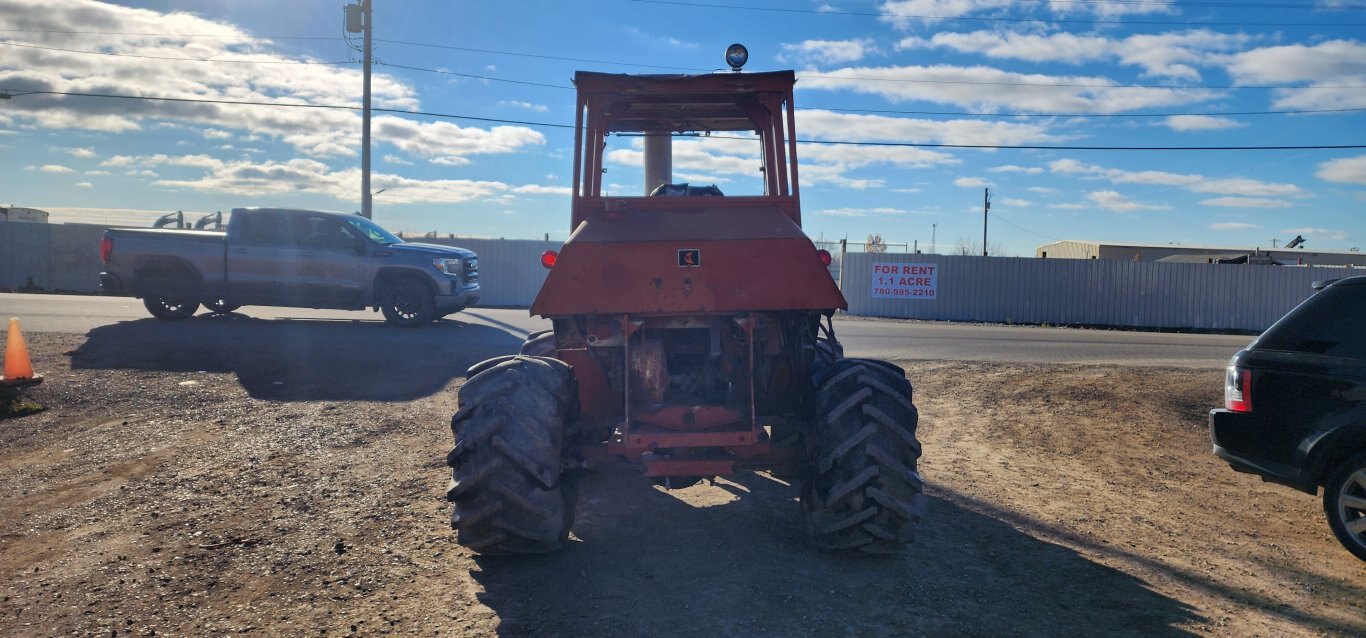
pixel 934 231
pixel 1273 242
pixel 359 18
pixel 986 207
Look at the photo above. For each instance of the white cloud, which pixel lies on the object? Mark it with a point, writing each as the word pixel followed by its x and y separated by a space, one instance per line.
pixel 902 14
pixel 825 51
pixel 111 28
pixel 1172 55
pixel 1016 203
pixel 83 153
pixel 1111 200
pixel 1232 226
pixel 1200 123
pixel 971 182
pixel 1345 170
pixel 299 175
pixel 829 125
pixel 867 212
pixel 536 189
pixel 96 173
pixel 659 41
pixel 1042 190
pixel 1246 202
pixel 50 168
pixel 1311 232
pixel 1011 168
pixel 395 159
pixel 985 88
pixel 1190 181
pixel 84 185
pixel 539 108
pixel 1326 67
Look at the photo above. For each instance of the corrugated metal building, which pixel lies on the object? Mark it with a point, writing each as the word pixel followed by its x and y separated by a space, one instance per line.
pixel 1074 249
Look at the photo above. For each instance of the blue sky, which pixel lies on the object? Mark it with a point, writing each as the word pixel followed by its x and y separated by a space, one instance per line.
pixel 971 72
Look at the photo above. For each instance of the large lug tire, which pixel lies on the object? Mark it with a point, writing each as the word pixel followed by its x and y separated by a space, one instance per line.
pixel 407 303
pixel 510 493
pixel 862 491
pixel 539 344
pixel 1344 502
pixel 170 307
pixel 221 306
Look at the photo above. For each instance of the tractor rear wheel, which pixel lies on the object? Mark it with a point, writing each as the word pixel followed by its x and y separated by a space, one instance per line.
pixel 510 494
pixel 862 491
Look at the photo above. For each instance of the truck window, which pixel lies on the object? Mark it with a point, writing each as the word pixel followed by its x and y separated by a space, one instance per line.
pixel 264 228
pixel 1328 323
pixel 317 231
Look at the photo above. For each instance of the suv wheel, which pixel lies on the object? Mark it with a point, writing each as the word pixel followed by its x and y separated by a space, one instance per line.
pixel 1344 501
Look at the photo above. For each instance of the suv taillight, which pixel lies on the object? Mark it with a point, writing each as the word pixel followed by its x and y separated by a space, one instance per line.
pixel 106 249
pixel 1238 389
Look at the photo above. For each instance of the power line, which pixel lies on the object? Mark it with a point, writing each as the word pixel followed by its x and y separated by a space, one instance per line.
pixel 177 35
pixel 877 14
pixel 979 114
pixel 543 57
pixel 799 141
pixel 166 57
pixel 1078 85
pixel 476 77
pixel 1001 218
pixel 345 107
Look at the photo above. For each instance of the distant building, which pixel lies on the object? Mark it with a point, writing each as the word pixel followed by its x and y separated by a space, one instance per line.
pixel 1185 253
pixel 31 215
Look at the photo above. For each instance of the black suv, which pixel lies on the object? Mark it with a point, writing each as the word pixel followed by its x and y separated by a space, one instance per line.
pixel 1295 406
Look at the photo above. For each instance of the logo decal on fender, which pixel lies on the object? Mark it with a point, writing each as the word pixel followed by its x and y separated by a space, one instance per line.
pixel 689 258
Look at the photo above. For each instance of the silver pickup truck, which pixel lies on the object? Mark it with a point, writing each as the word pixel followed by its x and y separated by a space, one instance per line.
pixel 292 258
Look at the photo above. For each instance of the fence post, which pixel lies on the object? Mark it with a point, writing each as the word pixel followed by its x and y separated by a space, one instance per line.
pixel 844 248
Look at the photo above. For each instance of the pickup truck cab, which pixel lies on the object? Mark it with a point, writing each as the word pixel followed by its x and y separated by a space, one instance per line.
pixel 292 258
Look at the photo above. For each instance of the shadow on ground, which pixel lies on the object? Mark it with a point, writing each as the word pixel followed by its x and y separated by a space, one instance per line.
pixel 651 564
pixel 301 359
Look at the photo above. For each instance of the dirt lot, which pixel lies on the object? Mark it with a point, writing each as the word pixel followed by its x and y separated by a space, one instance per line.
pixel 262 478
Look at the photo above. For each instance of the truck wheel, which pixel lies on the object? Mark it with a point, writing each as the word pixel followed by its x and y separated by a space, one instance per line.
pixel 169 308
pixel 221 306
pixel 510 494
pixel 862 491
pixel 1344 502
pixel 407 303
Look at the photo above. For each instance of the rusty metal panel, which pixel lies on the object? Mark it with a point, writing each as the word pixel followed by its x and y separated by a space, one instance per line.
pixel 25 256
pixel 1091 292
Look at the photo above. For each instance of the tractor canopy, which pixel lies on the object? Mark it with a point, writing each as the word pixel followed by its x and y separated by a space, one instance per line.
pixel 687 249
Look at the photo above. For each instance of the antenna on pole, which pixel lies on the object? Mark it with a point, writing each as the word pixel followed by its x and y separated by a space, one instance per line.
pixel 986 208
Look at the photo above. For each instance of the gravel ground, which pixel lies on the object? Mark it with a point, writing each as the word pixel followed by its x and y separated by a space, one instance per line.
pixel 267 479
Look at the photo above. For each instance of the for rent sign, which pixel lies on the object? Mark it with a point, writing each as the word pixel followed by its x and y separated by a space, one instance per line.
pixel 893 280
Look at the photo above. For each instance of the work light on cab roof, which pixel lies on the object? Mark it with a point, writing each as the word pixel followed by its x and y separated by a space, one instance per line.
pixel 736 56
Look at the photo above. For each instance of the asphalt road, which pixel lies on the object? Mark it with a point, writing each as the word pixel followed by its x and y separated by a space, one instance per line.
pixel 888 339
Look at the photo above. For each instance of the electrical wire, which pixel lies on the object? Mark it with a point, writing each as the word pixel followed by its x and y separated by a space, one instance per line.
pixel 476 77
pixel 165 57
pixel 876 14
pixel 544 57
pixel 725 137
pixel 980 114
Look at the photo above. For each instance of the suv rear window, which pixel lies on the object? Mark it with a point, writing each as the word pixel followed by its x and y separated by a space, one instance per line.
pixel 1329 323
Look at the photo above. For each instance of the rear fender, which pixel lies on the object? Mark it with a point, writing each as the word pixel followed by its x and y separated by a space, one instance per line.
pixel 1335 446
pixel 167 275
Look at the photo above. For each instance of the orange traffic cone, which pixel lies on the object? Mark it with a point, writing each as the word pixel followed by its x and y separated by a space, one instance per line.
pixel 18 367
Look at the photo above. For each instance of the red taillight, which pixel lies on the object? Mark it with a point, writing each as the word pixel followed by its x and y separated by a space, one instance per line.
pixel 548 258
pixel 106 249
pixel 1238 389
pixel 825 256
